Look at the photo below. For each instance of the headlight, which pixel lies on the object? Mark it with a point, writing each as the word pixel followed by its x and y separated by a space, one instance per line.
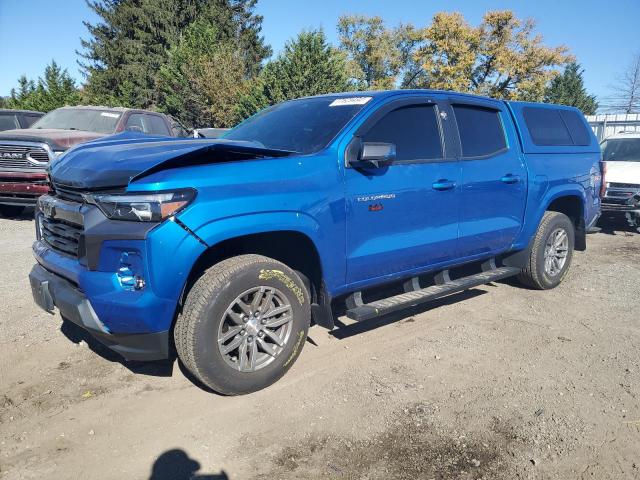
pixel 142 207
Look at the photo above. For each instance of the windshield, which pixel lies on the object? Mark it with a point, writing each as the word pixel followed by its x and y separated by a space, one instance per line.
pixel 621 150
pixel 304 126
pixel 99 121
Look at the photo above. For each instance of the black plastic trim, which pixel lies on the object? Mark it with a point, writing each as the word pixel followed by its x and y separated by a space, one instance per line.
pixel 51 290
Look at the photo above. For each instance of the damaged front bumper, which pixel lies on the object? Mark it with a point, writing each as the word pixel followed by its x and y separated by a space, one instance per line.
pixel 51 291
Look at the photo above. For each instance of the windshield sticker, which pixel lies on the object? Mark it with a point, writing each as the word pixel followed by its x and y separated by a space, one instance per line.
pixel 339 102
pixel 110 115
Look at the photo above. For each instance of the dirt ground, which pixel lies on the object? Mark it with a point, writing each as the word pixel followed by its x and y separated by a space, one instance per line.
pixel 497 382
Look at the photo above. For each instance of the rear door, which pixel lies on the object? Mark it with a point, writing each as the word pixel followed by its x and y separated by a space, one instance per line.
pixel 494 177
pixel 403 216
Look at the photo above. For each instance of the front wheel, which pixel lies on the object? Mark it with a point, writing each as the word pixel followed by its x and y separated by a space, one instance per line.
pixel 243 324
pixel 551 252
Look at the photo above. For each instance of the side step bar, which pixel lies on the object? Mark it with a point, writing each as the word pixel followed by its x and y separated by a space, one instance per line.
pixel 359 311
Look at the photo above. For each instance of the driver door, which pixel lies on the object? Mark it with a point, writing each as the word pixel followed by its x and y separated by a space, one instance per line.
pixel 402 216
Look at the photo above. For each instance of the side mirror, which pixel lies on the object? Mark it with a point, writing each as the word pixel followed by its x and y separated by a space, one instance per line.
pixel 374 155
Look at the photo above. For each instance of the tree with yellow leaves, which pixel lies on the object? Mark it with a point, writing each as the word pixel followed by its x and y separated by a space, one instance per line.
pixel 502 57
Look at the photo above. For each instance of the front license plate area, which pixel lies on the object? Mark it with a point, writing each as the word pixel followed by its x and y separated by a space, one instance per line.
pixel 42 295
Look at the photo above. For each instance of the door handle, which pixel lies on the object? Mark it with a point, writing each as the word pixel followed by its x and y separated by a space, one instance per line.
pixel 510 178
pixel 442 185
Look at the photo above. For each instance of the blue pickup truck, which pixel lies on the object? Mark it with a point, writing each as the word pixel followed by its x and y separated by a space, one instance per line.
pixel 229 249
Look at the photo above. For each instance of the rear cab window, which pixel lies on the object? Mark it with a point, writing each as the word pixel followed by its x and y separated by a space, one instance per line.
pixel 546 128
pixel 480 129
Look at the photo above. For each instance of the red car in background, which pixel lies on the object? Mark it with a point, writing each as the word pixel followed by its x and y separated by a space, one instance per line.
pixel 26 153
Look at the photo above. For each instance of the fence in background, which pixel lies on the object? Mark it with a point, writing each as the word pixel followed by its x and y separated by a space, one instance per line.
pixel 606 125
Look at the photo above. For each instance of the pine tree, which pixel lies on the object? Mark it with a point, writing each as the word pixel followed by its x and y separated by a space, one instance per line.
pixel 131 42
pixel 203 79
pixel 307 66
pixel 568 89
pixel 54 89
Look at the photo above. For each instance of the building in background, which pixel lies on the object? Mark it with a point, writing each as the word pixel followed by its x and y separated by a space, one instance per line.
pixel 609 124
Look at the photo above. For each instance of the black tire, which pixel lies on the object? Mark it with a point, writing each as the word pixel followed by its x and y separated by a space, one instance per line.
pixel 11 211
pixel 198 325
pixel 534 274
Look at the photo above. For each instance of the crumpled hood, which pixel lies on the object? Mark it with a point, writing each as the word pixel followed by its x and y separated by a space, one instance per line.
pixel 56 138
pixel 114 161
pixel 623 172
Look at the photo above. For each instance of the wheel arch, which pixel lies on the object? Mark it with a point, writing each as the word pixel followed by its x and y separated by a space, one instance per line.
pixel 294 248
pixel 572 205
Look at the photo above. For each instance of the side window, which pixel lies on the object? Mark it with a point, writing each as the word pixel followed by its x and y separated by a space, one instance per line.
pixel 156 125
pixel 134 123
pixel 576 126
pixel 546 127
pixel 31 119
pixel 414 131
pixel 480 130
pixel 8 122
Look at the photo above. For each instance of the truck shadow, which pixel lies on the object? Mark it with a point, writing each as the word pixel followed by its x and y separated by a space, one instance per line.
pixel 26 215
pixel 175 464
pixel 161 368
pixel 165 368
pixel 349 330
pixel 615 226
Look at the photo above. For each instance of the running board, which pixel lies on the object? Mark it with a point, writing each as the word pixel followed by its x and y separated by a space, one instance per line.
pixel 359 311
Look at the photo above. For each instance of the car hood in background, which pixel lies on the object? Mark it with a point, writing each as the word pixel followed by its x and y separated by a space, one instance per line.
pixel 114 161
pixel 56 138
pixel 623 172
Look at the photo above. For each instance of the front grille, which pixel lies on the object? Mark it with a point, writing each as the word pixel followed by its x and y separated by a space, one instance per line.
pixel 15 157
pixel 61 235
pixel 624 185
pixel 621 196
pixel 66 194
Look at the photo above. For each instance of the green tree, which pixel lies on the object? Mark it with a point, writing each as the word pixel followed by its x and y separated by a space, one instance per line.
pixel 132 40
pixel 502 57
pixel 378 55
pixel 307 66
pixel 203 78
pixel 54 89
pixel 568 89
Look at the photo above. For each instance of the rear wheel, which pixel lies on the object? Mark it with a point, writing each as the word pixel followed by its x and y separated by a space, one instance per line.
pixel 243 324
pixel 551 252
pixel 11 211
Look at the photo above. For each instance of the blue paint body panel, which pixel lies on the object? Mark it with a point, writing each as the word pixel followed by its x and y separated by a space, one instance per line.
pixel 368 227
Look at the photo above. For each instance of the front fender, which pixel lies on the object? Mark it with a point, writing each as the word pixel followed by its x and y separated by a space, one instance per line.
pixel 213 232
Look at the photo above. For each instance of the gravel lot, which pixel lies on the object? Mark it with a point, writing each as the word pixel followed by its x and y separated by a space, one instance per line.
pixel 497 382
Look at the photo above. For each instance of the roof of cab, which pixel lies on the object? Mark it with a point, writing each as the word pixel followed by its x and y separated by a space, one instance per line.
pixel 12 110
pixel 397 92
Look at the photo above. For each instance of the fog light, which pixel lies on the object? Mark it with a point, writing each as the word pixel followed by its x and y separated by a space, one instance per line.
pixel 127 278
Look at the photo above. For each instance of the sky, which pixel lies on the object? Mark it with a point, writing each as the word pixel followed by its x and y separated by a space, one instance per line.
pixel 602 35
